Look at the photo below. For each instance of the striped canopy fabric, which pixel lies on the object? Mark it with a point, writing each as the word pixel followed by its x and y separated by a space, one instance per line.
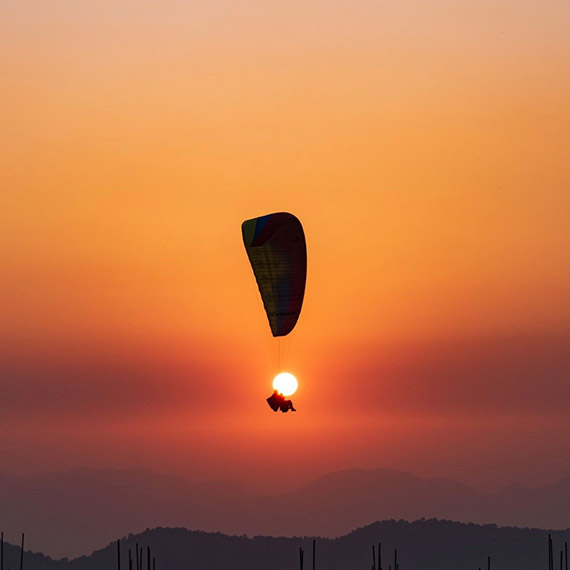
pixel 277 251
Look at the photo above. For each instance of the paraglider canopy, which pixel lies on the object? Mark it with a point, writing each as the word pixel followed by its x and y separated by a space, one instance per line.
pixel 277 251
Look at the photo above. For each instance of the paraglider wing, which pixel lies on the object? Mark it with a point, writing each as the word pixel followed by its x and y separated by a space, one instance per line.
pixel 276 248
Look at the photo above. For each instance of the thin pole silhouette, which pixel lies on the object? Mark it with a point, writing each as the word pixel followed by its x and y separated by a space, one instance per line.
pixel 2 552
pixel 373 558
pixel 313 554
pixel 488 563
pixel 148 557
pixel 119 554
pixel 153 563
pixel 137 554
pixel 379 556
pixel 130 560
pixel 549 554
pixel 565 555
pixel 22 554
pixel 300 558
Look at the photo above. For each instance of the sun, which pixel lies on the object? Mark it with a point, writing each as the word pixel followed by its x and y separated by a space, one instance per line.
pixel 285 383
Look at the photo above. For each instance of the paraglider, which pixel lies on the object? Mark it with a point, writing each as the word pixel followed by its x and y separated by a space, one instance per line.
pixel 277 401
pixel 276 248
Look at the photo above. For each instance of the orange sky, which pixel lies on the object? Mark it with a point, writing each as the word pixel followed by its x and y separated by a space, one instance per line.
pixel 424 146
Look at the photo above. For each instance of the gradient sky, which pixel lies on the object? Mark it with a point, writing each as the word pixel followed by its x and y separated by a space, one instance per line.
pixel 424 145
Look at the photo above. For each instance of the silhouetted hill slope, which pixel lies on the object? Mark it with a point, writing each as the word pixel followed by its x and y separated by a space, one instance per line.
pixel 67 514
pixel 422 545
pixel 88 507
pixel 339 502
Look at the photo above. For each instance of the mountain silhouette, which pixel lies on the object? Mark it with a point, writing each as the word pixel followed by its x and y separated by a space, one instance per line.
pixel 72 513
pixel 421 545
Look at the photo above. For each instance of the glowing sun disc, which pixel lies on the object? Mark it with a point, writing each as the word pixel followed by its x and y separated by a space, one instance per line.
pixel 285 383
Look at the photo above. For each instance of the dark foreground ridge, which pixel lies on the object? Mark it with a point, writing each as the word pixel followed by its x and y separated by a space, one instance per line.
pixel 421 545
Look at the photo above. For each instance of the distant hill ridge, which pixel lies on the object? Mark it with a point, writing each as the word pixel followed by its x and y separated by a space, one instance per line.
pixel 74 512
pixel 421 545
